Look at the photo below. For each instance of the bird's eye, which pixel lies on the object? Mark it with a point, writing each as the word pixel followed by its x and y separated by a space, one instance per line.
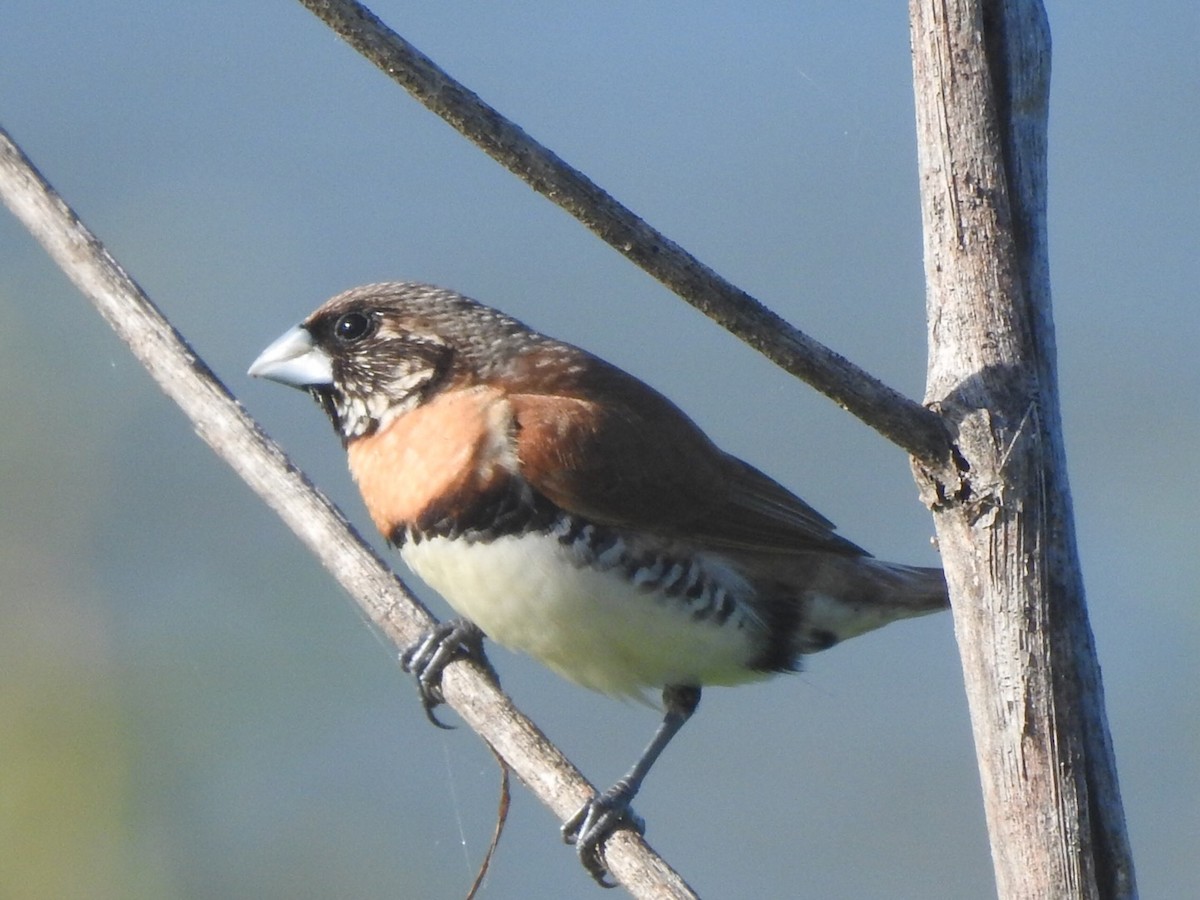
pixel 353 326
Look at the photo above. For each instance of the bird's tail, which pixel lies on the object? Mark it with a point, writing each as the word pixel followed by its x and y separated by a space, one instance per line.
pixel 854 595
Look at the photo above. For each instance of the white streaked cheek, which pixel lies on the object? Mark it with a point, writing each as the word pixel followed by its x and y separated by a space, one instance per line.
pixel 405 384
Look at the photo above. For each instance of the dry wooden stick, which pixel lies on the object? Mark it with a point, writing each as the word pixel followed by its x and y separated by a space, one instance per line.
pixel 1003 512
pixel 999 490
pixel 238 440
pixel 902 421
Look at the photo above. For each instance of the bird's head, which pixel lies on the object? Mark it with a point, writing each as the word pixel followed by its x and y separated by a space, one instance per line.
pixel 378 351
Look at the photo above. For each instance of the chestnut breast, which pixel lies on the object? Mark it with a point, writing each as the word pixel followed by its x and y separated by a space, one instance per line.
pixel 447 452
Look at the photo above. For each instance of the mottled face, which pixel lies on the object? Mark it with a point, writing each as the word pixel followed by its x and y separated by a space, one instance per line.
pixel 379 351
pixel 380 367
pixel 366 357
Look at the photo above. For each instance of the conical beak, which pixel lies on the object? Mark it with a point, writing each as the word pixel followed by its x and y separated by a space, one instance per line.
pixel 293 359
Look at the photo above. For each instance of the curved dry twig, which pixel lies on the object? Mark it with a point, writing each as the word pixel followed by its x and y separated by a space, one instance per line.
pixel 238 440
pixel 901 420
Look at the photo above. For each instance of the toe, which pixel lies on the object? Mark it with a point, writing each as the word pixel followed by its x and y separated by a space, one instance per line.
pixel 591 827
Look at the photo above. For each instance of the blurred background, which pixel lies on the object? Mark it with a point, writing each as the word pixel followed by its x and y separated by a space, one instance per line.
pixel 191 708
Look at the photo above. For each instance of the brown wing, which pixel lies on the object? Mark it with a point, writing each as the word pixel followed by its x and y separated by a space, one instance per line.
pixel 645 463
pixel 761 514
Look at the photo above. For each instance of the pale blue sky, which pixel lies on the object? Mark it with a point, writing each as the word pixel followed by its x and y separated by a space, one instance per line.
pixel 191 708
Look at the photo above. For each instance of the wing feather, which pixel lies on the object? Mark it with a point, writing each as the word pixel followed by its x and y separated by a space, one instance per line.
pixel 633 459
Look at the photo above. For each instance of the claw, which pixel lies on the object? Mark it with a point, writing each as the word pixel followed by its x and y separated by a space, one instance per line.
pixel 589 828
pixel 437 648
pixel 594 824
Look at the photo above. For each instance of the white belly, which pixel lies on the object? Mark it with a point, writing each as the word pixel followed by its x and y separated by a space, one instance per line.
pixel 590 625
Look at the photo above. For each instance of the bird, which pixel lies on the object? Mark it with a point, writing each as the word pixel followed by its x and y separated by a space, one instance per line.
pixel 567 510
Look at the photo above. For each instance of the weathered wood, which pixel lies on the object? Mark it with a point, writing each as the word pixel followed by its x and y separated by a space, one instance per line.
pixel 1003 510
pixel 237 439
pixel 901 420
pixel 1002 503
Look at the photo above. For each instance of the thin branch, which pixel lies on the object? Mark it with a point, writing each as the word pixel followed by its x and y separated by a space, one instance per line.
pixel 898 418
pixel 238 440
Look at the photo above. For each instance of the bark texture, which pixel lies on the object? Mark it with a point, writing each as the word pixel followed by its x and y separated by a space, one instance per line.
pixel 1003 507
pixel 222 423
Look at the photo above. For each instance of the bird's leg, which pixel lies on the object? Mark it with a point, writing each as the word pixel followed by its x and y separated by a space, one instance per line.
pixel 437 648
pixel 589 828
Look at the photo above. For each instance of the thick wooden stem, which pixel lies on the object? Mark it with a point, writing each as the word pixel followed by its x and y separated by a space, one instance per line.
pixel 1003 508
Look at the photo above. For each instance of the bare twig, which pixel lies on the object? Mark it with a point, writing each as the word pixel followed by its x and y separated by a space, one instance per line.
pixel 501 819
pixel 899 419
pixel 226 427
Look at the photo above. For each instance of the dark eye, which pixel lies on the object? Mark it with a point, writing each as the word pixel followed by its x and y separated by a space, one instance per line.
pixel 353 326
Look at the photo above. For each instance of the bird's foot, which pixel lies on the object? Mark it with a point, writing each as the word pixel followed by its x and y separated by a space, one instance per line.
pixel 595 822
pixel 437 648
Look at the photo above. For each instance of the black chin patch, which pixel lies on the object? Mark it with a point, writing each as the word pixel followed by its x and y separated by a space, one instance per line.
pixel 324 398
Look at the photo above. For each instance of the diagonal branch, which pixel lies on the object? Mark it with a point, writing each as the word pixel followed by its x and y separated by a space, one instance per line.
pixel 235 437
pixel 902 421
